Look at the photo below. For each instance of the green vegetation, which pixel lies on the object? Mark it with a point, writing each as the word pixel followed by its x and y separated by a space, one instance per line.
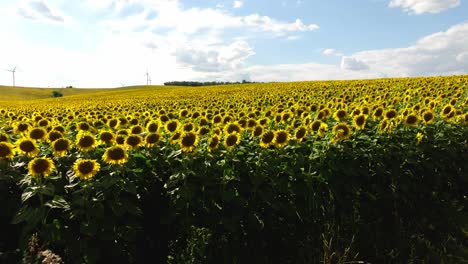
pixel 311 172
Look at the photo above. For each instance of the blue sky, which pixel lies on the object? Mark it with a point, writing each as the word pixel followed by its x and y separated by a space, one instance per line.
pixel 109 43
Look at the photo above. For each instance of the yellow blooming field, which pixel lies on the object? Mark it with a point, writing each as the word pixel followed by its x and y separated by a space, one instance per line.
pixel 218 159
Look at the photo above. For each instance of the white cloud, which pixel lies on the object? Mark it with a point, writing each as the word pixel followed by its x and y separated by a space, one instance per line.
pixel 238 4
pixel 41 11
pixel 330 52
pixel 440 53
pixel 215 59
pixel 424 6
pixel 353 64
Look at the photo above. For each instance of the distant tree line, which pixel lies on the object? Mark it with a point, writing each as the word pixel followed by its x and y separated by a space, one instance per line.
pixel 191 83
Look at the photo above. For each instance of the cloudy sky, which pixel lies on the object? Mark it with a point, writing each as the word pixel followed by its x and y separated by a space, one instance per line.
pixel 109 43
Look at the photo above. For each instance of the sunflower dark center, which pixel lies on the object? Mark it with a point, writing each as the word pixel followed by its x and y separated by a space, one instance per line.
pixel 61 145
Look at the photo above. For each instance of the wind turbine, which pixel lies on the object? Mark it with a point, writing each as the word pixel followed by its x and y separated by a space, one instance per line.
pixel 148 78
pixel 13 72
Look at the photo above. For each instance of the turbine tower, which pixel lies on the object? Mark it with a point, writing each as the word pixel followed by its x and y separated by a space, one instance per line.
pixel 13 72
pixel 148 78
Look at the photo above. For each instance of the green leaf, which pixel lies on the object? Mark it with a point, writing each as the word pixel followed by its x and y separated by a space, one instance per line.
pixel 59 203
pixel 28 193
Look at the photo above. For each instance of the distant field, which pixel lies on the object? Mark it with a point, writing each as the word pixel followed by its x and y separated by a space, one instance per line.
pixel 9 93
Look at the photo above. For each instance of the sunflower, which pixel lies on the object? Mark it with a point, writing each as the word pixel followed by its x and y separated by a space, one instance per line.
pixel 152 139
pixel 37 133
pixel 257 131
pixel 106 137
pixel 133 141
pixel 85 142
pixel 231 140
pixel 152 127
pixel 112 123
pixel 419 138
pixel 4 137
pixel 391 114
pixel 267 139
pixel 232 127
pixel 187 127
pixel 171 126
pixel 21 128
pixel 175 138
pixel 115 155
pixel 188 141
pixel 54 135
pixel 300 134
pixel 43 123
pixel 60 147
pixel 251 123
pixel 411 120
pixel 217 119
pixel 84 126
pixel 322 129
pixel 315 126
pixel 340 115
pixel 86 169
pixel 378 112
pixel 120 139
pixel 6 150
pixel 341 131
pixel 202 131
pixel 136 130
pixel 213 142
pixel 281 138
pixel 447 111
pixel 41 167
pixel 359 121
pixel 27 146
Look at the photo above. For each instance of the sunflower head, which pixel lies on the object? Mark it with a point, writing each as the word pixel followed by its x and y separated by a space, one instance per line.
pixel 106 137
pixel 133 141
pixel 136 130
pixel 54 135
pixel 257 131
pixel 232 127
pixel 213 142
pixel 60 147
pixel 85 142
pixel 83 126
pixel 281 138
pixel 4 137
pixel 411 120
pixel 27 146
pixel 340 115
pixel 86 169
pixel 447 110
pixel 152 139
pixel 6 150
pixel 188 141
pixel 175 138
pixel 152 127
pixel 231 140
pixel 41 167
pixel 341 131
pixel 115 155
pixel 359 121
pixel 21 128
pixel 37 133
pixel 378 112
pixel 267 138
pixel 391 114
pixel 172 126
pixel 187 127
pixel 300 133
pixel 315 126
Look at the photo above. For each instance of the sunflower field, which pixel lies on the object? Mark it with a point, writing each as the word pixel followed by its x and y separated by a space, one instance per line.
pixel 305 172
